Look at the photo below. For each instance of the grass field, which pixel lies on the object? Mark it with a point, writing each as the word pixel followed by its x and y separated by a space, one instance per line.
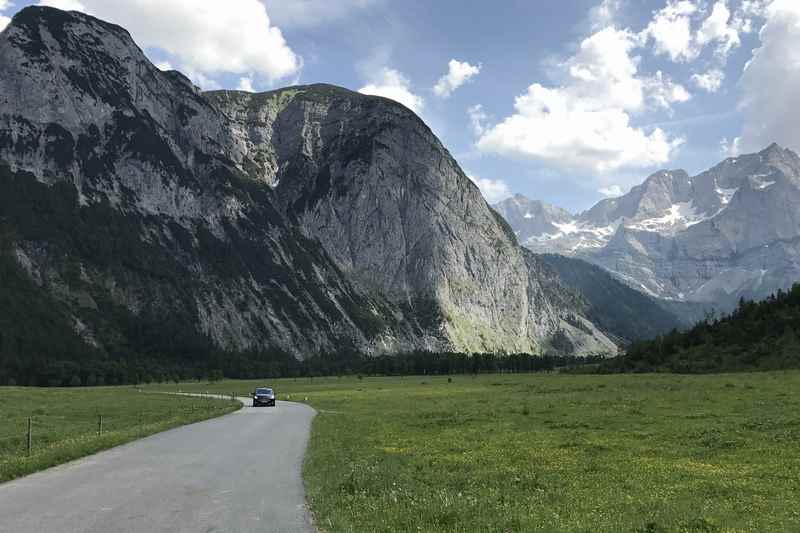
pixel 65 422
pixel 626 453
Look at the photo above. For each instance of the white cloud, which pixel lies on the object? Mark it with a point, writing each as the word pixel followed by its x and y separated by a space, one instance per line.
pixel 586 122
pixel 477 119
pixel 673 34
pixel 246 84
pixel 603 73
pixel 493 190
pixel 164 65
pixel 201 80
pixel 754 8
pixel 390 83
pixel 770 83
pixel 710 81
pixel 4 21
pixel 730 148
pixel 664 92
pixel 66 5
pixel 603 15
pixel 716 28
pixel 457 75
pixel 309 13
pixel 206 37
pixel 671 30
pixel 611 191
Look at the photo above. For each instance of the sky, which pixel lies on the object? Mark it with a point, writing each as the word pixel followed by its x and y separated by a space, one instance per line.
pixel 563 101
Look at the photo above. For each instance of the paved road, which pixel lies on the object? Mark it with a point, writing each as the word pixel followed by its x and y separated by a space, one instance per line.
pixel 236 474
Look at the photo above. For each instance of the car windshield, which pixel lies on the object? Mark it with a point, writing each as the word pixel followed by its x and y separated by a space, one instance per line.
pixel 263 391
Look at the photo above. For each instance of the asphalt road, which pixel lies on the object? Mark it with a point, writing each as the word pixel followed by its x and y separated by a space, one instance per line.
pixel 239 473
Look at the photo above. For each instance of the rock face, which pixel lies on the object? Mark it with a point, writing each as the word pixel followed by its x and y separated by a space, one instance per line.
pixel 732 231
pixel 614 306
pixel 306 219
pixel 531 218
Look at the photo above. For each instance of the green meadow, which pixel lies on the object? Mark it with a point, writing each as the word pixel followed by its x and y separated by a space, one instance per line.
pixel 555 452
pixel 65 422
pixel 493 452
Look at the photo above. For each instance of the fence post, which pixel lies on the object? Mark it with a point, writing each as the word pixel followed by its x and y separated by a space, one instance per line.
pixel 99 424
pixel 30 435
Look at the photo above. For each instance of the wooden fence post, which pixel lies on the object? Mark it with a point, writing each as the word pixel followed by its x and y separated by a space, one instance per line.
pixel 30 435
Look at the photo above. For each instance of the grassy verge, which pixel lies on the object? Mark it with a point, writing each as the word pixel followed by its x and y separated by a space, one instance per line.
pixel 65 422
pixel 629 453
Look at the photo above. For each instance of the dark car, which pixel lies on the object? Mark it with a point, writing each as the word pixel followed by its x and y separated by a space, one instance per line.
pixel 264 396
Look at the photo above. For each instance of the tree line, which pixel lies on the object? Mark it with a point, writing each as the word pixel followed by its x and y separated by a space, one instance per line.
pixel 757 335
pixel 270 364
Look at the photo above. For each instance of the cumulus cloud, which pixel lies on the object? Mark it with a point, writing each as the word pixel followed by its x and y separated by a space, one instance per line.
pixel 4 4
pixel 457 75
pixel 771 81
pixel 586 122
pixel 710 81
pixel 390 83
pixel 200 79
pixel 203 37
pixel 716 28
pixel 246 84
pixel 754 8
pixel 673 33
pixel 493 190
pixel 603 14
pixel 611 191
pixel 309 13
pixel 671 30
pixel 664 92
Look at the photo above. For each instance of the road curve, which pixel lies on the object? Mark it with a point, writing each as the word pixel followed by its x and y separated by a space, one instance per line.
pixel 239 473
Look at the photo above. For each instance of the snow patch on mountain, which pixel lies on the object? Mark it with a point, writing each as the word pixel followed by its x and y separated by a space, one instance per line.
pixel 725 195
pixel 682 214
pixel 728 232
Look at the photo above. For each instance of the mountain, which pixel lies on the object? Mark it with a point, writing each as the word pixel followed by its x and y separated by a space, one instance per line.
pixel 612 305
pixel 761 335
pixel 530 218
pixel 152 217
pixel 732 231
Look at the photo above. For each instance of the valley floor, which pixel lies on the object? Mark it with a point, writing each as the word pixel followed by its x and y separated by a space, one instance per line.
pixel 637 453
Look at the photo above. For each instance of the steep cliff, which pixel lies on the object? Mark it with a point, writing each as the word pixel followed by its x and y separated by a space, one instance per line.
pixel 308 219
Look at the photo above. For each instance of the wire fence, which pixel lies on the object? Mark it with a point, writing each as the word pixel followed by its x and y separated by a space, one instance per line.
pixel 25 436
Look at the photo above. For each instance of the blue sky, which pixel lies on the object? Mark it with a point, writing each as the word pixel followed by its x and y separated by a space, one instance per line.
pixel 565 102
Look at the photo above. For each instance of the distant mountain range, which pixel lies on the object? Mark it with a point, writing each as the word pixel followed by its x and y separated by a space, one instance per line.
pixel 732 231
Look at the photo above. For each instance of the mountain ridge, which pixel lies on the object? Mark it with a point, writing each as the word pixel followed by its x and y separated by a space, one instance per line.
pixel 728 232
pixel 303 220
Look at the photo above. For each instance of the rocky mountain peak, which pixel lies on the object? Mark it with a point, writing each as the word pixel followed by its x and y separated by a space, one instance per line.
pixel 307 219
pixel 531 217
pixel 731 231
